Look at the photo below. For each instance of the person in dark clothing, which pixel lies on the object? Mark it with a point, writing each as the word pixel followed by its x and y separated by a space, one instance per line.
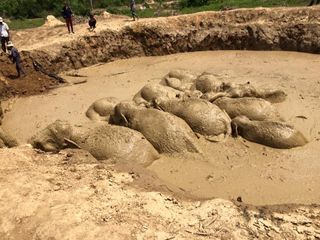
pixel 133 10
pixel 314 1
pixel 67 15
pixel 92 22
pixel 14 55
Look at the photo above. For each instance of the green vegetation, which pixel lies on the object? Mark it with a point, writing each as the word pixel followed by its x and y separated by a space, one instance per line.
pixel 220 4
pixel 25 23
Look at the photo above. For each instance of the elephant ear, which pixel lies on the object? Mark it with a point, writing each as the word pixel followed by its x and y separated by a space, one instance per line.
pixel 234 127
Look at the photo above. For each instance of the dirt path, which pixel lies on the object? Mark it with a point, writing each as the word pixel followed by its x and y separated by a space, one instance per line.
pixel 260 175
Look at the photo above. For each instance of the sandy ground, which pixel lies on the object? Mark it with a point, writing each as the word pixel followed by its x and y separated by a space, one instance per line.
pixel 71 196
pixel 260 175
pixel 52 38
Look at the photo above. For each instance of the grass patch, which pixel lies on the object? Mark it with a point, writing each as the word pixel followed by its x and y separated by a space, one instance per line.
pixel 17 24
pixel 146 13
pixel 219 4
pixel 213 5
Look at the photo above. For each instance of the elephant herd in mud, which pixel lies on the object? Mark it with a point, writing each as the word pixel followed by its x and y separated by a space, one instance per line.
pixel 171 116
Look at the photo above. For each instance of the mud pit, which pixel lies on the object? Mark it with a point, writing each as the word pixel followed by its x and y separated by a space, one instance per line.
pixel 236 168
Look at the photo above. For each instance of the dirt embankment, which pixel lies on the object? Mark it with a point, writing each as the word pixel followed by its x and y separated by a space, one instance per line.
pixel 35 82
pixel 291 29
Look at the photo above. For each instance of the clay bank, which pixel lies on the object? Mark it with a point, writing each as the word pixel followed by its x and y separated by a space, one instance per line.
pixel 288 29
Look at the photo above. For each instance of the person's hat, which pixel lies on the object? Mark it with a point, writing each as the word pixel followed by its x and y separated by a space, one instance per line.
pixel 1 19
pixel 10 44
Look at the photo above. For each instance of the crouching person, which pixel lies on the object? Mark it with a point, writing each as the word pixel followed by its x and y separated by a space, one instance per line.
pixel 92 23
pixel 14 55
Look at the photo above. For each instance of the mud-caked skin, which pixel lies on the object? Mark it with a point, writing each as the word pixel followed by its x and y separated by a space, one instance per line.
pixel 203 117
pixel 207 83
pixel 105 141
pixel 180 79
pixel 166 132
pixel 53 137
pixel 102 140
pixel 183 75
pixel 269 133
pixel 213 88
pixel 101 109
pixel 155 90
pixel 6 140
pixel 253 108
pixel 247 90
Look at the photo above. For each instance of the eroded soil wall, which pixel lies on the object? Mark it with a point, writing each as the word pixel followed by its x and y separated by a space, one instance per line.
pixel 289 29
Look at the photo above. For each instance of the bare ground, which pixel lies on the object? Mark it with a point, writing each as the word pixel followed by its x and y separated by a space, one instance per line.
pixel 70 196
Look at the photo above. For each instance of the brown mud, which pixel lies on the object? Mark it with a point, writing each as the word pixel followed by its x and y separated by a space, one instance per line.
pixel 33 83
pixel 260 175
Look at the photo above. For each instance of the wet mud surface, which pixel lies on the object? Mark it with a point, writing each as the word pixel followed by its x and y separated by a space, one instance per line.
pixel 234 169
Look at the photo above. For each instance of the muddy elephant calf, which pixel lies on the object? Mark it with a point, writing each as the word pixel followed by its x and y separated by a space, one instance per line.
pixel 6 140
pixel 180 79
pixel 155 90
pixel 166 132
pixel 203 117
pixel 253 108
pixel 102 140
pixel 101 109
pixel 269 133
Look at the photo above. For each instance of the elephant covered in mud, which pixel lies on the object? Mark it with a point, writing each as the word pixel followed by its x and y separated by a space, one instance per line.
pixel 102 140
pixel 54 137
pixel 269 133
pixel 179 79
pixel 246 90
pixel 213 88
pixel 6 140
pixel 152 91
pixel 253 108
pixel 166 132
pixel 207 83
pixel 203 117
pixel 101 109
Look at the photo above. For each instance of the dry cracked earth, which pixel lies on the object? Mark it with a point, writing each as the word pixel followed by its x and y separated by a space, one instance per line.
pixel 246 191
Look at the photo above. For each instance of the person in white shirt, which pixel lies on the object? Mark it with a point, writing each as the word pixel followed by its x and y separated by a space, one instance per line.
pixel 4 34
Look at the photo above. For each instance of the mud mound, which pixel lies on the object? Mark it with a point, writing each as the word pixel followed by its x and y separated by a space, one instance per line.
pixel 34 83
pixel 51 21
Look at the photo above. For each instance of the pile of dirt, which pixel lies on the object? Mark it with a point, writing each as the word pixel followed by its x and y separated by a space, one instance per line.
pixel 52 21
pixel 33 83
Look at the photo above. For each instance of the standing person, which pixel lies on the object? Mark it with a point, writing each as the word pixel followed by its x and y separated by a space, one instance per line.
pixel 15 57
pixel 4 34
pixel 67 15
pixel 92 22
pixel 314 1
pixel 133 10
